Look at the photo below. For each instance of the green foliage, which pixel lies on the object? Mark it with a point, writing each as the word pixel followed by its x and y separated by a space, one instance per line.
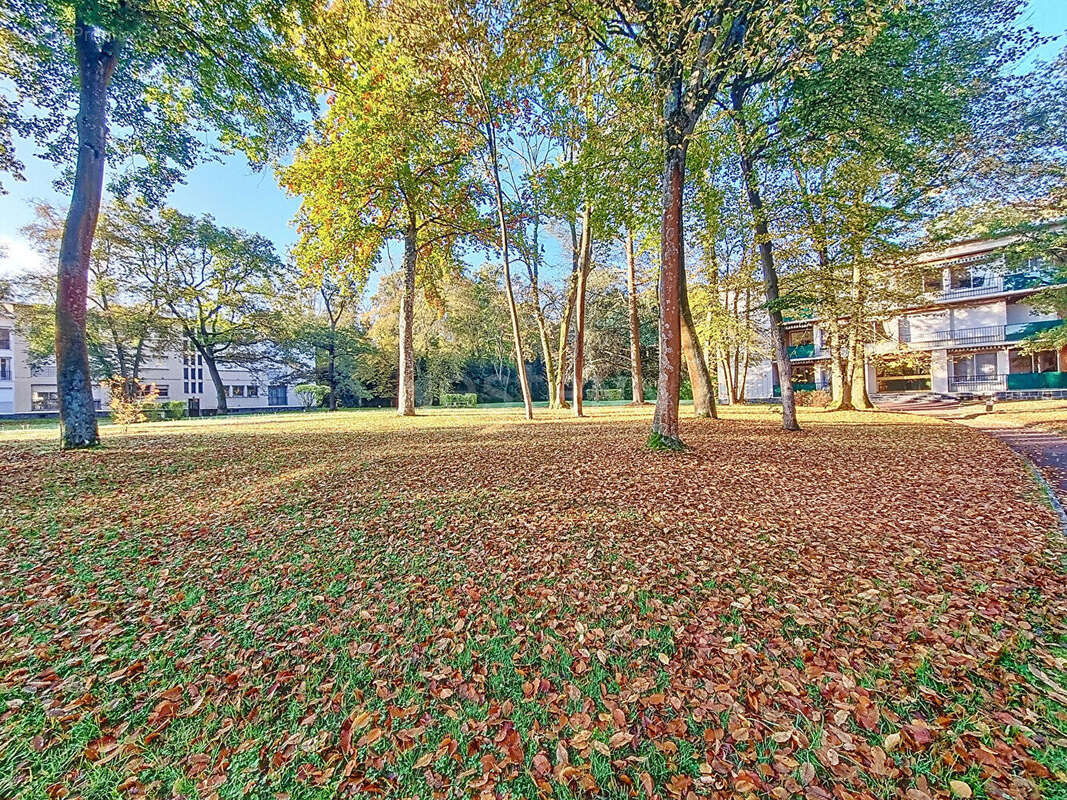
pixel 311 394
pixel 181 68
pixel 469 400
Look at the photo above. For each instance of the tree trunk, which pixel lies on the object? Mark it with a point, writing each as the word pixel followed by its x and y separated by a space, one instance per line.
pixel 770 274
pixel 516 332
pixel 840 372
pixel 77 412
pixel 405 395
pixel 333 367
pixel 860 400
pixel 546 348
pixel 637 382
pixel 695 364
pixel 665 431
pixel 565 323
pixel 579 308
pixel 216 379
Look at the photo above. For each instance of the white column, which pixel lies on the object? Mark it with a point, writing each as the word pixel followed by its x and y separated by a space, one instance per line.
pixel 939 371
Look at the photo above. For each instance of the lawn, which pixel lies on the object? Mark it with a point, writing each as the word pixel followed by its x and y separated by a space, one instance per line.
pixel 1040 414
pixel 463 604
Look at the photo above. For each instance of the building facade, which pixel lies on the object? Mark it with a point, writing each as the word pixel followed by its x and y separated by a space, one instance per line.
pixel 963 338
pixel 25 390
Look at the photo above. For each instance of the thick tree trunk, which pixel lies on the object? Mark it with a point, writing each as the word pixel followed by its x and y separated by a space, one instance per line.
pixel 505 255
pixel 216 379
pixel 860 400
pixel 695 364
pixel 637 383
pixel 584 266
pixel 77 412
pixel 405 395
pixel 665 431
pixel 770 274
pixel 840 372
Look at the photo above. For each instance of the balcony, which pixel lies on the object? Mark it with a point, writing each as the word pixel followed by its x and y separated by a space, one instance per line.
pixel 976 384
pixel 802 351
pixel 995 284
pixel 987 335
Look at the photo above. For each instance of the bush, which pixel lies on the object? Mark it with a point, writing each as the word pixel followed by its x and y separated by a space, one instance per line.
pixel 130 401
pixel 611 394
pixel 176 409
pixel 311 394
pixel 470 400
pixel 817 398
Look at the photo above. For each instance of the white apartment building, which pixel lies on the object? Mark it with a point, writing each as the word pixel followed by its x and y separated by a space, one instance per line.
pixel 965 337
pixel 176 376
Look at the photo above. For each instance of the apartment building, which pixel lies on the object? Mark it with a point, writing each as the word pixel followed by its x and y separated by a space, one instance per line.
pixel 964 337
pixel 25 390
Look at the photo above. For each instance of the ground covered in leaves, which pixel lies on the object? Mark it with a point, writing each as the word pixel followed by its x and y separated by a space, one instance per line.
pixel 467 605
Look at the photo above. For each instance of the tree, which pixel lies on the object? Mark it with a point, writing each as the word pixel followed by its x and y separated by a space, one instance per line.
pixel 386 163
pixel 465 45
pixel 125 324
pixel 217 285
pixel 157 75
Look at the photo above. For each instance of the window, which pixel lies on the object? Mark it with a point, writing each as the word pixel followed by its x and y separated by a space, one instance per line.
pixel 976 365
pixel 163 390
pixel 44 401
pixel 5 338
pixel 796 338
pixel 1041 361
pixel 964 278
pixel 5 369
pixel 192 370
pixel 277 396
pixel 238 391
pixel 804 373
pixel 932 281
pixel 252 390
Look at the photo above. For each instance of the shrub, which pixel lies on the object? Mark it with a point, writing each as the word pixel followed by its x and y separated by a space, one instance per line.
pixel 817 398
pixel 130 401
pixel 611 394
pixel 470 399
pixel 311 394
pixel 176 409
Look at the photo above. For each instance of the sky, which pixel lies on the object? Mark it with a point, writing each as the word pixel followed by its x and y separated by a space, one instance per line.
pixel 238 197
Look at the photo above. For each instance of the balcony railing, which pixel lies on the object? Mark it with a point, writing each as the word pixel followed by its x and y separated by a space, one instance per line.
pixel 976 383
pixel 800 351
pixel 994 284
pixel 988 334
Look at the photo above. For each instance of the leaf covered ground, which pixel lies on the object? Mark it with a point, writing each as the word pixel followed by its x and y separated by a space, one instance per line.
pixel 467 605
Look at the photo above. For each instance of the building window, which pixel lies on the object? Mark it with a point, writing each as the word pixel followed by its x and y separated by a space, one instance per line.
pixel 44 401
pixel 192 370
pixel 163 390
pixel 5 369
pixel 1041 361
pixel 975 365
pixel 798 338
pixel 932 281
pixel 964 278
pixel 238 391
pixel 253 390
pixel 277 396
pixel 5 338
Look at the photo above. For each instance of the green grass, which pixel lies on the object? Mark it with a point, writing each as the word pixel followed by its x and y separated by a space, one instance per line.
pixel 308 605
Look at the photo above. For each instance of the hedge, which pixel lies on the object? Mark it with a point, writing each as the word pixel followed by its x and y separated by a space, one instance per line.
pixel 469 399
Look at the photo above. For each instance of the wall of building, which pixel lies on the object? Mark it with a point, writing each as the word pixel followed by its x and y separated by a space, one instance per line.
pixel 165 370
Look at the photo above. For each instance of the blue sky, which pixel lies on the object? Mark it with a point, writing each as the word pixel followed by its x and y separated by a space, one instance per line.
pixel 239 197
